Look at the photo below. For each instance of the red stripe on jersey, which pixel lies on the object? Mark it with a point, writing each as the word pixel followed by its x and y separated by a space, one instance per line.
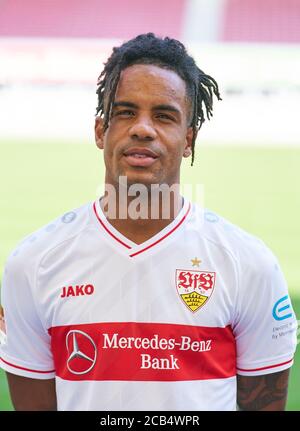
pixel 107 230
pixel 266 368
pixel 167 234
pixel 134 351
pixel 26 369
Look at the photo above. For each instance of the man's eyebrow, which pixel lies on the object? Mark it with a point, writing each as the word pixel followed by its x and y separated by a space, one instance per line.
pixel 164 107
pixel 161 107
pixel 125 104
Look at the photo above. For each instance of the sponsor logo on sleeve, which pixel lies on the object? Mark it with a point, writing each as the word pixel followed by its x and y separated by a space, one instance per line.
pixel 282 309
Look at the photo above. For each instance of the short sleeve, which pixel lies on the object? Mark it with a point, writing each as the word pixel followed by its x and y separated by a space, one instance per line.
pixel 25 346
pixel 265 325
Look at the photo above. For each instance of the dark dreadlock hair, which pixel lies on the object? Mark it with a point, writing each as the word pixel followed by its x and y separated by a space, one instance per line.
pixel 166 53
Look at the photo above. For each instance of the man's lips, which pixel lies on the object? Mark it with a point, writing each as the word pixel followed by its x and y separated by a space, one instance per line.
pixel 140 157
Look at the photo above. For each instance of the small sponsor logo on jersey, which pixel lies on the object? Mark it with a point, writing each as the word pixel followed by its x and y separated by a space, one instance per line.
pixel 78 290
pixel 50 227
pixel 282 309
pixel 82 352
pixel 2 327
pixel 195 287
pixel 211 217
pixel 68 217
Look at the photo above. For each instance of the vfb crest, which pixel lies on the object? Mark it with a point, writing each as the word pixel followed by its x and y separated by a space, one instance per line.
pixel 195 287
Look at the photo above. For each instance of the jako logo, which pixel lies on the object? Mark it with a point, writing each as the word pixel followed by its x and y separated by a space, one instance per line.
pixel 77 290
pixel 279 310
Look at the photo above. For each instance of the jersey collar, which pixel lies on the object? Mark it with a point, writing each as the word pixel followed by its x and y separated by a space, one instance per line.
pixel 131 248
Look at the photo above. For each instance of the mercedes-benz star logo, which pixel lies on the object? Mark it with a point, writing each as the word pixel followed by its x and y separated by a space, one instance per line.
pixel 81 359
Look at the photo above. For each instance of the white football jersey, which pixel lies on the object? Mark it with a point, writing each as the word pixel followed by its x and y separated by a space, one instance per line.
pixel 163 325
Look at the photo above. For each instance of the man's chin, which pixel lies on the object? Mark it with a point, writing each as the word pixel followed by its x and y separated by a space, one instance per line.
pixel 145 178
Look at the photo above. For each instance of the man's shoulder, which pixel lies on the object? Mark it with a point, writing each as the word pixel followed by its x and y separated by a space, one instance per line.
pixel 246 248
pixel 35 245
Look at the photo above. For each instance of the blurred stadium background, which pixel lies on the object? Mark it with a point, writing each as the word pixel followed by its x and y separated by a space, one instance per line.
pixel 248 157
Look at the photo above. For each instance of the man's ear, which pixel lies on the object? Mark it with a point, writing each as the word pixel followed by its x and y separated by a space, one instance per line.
pixel 188 142
pixel 99 135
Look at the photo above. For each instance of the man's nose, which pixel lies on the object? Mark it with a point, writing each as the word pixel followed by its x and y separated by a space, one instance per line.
pixel 143 129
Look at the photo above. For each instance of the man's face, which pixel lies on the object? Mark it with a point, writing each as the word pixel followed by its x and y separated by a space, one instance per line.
pixel 148 132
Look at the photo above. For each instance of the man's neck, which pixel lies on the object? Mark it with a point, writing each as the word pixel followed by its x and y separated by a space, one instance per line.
pixel 140 219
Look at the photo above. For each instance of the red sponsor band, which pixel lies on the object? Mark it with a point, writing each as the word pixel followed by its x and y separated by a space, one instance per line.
pixel 136 351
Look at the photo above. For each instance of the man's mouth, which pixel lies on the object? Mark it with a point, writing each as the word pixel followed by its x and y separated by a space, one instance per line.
pixel 143 157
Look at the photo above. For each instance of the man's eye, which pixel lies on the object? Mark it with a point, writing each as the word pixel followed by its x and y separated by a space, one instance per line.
pixel 164 117
pixel 124 113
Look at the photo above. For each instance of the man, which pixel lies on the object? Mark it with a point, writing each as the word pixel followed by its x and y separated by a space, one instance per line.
pixel 126 306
